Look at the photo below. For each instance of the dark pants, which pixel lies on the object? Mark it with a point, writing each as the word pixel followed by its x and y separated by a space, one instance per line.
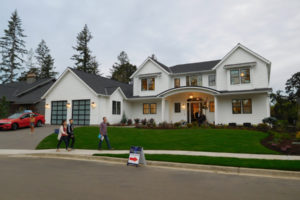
pixel 73 140
pixel 107 142
pixel 65 139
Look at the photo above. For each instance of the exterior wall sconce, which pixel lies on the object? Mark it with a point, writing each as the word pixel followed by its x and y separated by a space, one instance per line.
pixel 93 104
pixel 68 105
pixel 47 106
pixel 191 96
pixel 183 106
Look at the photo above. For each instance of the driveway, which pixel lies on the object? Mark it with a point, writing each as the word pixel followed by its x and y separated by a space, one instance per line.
pixel 35 179
pixel 21 138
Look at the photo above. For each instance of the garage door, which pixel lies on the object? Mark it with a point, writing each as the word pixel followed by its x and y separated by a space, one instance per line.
pixel 81 112
pixel 58 111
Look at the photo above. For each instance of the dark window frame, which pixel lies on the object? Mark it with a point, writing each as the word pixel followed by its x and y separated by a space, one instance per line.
pixel 210 81
pixel 87 107
pixel 149 108
pixel 116 107
pixel 175 85
pixel 242 106
pixel 64 108
pixel 148 86
pixel 241 78
pixel 177 107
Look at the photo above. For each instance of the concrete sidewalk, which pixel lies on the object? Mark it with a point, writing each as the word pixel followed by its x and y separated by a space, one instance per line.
pixel 170 152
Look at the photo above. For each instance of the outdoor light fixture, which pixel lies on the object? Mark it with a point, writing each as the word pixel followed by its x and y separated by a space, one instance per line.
pixel 47 106
pixel 183 106
pixel 93 104
pixel 68 105
pixel 191 96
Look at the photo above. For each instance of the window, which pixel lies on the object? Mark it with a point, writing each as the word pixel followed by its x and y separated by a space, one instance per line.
pixel 81 112
pixel 177 107
pixel 238 76
pixel 176 82
pixel 234 76
pixel 148 84
pixel 194 80
pixel 149 108
pixel 241 106
pixel 116 107
pixel 211 106
pixel 245 75
pixel 247 106
pixel 211 80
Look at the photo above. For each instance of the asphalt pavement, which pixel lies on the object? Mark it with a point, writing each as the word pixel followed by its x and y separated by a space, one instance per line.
pixel 21 138
pixel 38 178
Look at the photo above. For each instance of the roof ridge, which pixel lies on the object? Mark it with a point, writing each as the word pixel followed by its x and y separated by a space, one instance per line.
pixel 196 62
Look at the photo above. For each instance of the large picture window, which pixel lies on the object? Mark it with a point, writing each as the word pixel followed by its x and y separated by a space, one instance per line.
pixel 239 76
pixel 241 106
pixel 81 112
pixel 177 107
pixel 211 80
pixel 194 80
pixel 148 84
pixel 58 112
pixel 116 107
pixel 149 108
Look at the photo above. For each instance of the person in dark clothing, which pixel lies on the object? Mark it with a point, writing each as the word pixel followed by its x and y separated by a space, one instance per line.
pixel 71 136
pixel 103 133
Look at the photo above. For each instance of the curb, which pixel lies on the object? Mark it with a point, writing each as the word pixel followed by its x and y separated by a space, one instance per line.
pixel 181 166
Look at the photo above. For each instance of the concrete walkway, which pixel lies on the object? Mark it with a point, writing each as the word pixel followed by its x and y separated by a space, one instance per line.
pixel 189 153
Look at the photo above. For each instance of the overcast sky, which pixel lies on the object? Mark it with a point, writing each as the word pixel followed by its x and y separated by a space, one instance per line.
pixel 175 31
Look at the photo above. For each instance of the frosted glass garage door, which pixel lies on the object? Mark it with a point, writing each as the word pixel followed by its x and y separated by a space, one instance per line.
pixel 81 112
pixel 58 111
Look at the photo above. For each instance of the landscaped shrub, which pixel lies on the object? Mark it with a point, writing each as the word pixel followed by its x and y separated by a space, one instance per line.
pixel 263 127
pixel 137 121
pixel 189 125
pixel 129 122
pixel 195 124
pixel 271 121
pixel 144 122
pixel 177 124
pixel 124 119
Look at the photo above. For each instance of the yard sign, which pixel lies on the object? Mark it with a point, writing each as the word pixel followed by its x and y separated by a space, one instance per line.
pixel 136 156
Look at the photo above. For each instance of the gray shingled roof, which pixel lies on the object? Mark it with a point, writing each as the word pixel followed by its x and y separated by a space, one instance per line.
pixel 102 85
pixel 25 93
pixel 194 67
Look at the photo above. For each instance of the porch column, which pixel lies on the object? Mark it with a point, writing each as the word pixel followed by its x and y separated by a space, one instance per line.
pixel 216 110
pixel 162 109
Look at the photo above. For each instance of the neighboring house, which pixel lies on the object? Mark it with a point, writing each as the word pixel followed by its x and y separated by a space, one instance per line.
pixel 26 95
pixel 234 89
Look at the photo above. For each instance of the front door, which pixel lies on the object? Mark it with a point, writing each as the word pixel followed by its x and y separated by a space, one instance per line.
pixel 194 109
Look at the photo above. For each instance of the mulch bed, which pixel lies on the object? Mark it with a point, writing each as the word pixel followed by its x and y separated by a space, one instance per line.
pixel 286 147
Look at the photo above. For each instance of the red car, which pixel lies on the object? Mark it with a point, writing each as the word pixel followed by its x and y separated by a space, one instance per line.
pixel 19 120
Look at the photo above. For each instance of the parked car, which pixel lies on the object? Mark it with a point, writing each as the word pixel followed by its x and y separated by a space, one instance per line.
pixel 19 120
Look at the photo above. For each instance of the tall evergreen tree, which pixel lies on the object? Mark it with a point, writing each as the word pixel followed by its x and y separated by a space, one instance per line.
pixel 12 48
pixel 84 60
pixel 45 61
pixel 31 67
pixel 4 107
pixel 122 70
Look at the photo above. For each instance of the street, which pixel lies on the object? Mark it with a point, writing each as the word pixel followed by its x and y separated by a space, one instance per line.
pixel 36 178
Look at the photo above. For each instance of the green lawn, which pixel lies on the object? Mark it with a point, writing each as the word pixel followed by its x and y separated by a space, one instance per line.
pixel 196 139
pixel 293 165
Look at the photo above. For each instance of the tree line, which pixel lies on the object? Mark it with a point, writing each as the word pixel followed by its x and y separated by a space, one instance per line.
pixel 17 62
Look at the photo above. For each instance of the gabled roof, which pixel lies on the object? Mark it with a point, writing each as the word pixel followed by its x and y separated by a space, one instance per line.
pixel 102 85
pixel 194 67
pixel 25 93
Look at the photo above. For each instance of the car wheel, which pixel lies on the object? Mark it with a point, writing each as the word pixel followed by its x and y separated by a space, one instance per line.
pixel 39 123
pixel 14 126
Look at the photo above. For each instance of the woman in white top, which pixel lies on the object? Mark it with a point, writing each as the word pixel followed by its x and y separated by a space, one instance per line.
pixel 62 135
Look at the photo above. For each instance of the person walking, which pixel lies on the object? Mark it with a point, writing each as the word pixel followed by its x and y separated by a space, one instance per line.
pixel 62 135
pixel 32 122
pixel 103 133
pixel 71 136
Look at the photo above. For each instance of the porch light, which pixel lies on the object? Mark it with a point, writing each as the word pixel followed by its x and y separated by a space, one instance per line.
pixel 47 106
pixel 68 105
pixel 183 106
pixel 93 104
pixel 191 96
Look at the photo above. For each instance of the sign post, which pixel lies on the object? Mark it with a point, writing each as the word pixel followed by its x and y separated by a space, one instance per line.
pixel 136 156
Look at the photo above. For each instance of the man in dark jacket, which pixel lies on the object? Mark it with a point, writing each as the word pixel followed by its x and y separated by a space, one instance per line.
pixel 70 131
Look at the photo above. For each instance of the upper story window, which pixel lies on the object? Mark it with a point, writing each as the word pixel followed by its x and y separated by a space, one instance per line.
pixel 238 76
pixel 194 80
pixel 116 107
pixel 212 80
pixel 176 82
pixel 148 84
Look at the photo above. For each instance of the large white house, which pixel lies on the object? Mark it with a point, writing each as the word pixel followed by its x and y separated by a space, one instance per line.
pixel 234 89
